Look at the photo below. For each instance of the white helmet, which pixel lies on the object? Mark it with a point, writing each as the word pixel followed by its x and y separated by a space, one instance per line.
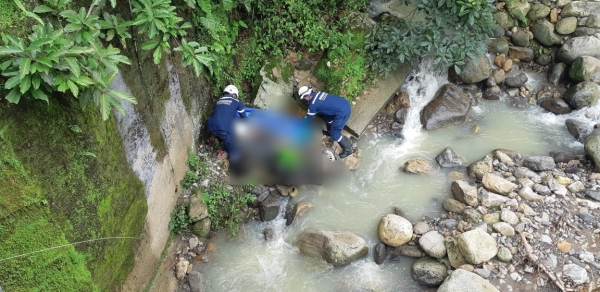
pixel 304 90
pixel 231 89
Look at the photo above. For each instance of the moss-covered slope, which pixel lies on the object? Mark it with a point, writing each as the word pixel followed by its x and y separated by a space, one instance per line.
pixel 64 178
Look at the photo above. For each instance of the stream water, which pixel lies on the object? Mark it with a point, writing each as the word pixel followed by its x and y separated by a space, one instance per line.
pixel 251 263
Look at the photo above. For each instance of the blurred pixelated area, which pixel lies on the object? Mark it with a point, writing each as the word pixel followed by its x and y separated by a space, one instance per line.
pixel 275 148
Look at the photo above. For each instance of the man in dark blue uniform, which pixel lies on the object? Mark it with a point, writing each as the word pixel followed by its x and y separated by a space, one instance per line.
pixel 220 122
pixel 334 110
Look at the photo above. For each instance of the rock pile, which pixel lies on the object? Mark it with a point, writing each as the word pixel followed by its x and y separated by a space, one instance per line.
pixel 513 225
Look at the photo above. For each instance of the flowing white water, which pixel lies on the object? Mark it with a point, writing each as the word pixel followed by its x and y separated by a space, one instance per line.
pixel 250 263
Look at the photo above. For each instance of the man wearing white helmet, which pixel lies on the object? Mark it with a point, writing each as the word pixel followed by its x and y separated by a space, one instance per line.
pixel 221 121
pixel 334 110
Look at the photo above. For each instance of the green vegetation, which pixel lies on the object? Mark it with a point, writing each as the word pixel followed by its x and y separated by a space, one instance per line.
pixel 346 74
pixel 448 31
pixel 54 193
pixel 180 221
pixel 225 208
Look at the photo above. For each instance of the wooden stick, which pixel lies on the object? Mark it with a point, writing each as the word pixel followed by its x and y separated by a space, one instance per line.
pixel 541 266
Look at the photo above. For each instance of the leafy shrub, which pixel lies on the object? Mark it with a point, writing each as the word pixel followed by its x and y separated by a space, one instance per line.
pixel 189 179
pixel 448 31
pixel 193 160
pixel 180 221
pixel 225 209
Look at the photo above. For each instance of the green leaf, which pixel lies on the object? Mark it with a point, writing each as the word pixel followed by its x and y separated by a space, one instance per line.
pixel 73 87
pixel 242 24
pixel 113 3
pixel 32 15
pixel 12 82
pixel 9 50
pixel 157 55
pixel 13 96
pixel 205 5
pixel 149 45
pixel 39 94
pixel 43 9
pixel 74 66
pixel 25 84
pixel 5 65
pixel 123 96
pixel 104 103
pixel 36 80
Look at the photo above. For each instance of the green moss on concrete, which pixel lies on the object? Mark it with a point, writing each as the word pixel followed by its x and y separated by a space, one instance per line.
pixel 286 69
pixel 65 171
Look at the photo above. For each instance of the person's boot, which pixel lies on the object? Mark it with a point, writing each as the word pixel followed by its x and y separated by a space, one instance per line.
pixel 346 147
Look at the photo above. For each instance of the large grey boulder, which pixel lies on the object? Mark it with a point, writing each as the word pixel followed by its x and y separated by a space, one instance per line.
pixel 464 192
pixel 276 88
pixel 585 31
pixel 556 106
pixel 429 272
pixel 592 147
pixel 394 230
pixel 519 39
pixel 197 210
pixel 197 281
pixel 202 227
pixel 543 32
pixel 336 248
pixel 269 208
pixel 450 106
pixel 480 167
pixel 566 25
pixel 581 9
pixel 583 94
pixel 462 280
pixel 585 68
pixel 539 163
pixel 537 12
pixel 579 47
pixel 580 130
pixel 477 246
pixel 433 244
pixel 449 158
pixel 497 184
pixel 475 71
pixel 515 78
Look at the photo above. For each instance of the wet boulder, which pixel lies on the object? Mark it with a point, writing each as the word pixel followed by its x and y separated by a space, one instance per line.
pixel 543 32
pixel 299 209
pixel 269 208
pixel 539 163
pixel 394 230
pixel 450 106
pixel 336 248
pixel 580 130
pixel 449 158
pixel 464 192
pixel 478 168
pixel 412 251
pixel 583 94
pixel 556 106
pixel 475 71
pixel 417 165
pixel 454 206
pixel 579 47
pixel 515 78
pixel 592 147
pixel 557 72
pixel 585 68
pixel 493 93
pixel 380 253
pixel 202 227
pixel 429 272
pixel 197 281
pixel 477 246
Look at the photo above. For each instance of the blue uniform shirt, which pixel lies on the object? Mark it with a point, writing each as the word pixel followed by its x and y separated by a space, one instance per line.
pixel 224 112
pixel 323 103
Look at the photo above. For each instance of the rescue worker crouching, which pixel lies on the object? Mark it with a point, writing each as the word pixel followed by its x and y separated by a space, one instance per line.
pixel 334 110
pixel 220 123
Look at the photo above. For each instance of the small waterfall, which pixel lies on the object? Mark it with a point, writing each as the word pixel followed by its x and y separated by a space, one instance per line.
pixel 421 86
pixel 136 139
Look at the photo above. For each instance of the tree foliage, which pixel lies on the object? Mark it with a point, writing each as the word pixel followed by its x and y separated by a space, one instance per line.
pixel 449 31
